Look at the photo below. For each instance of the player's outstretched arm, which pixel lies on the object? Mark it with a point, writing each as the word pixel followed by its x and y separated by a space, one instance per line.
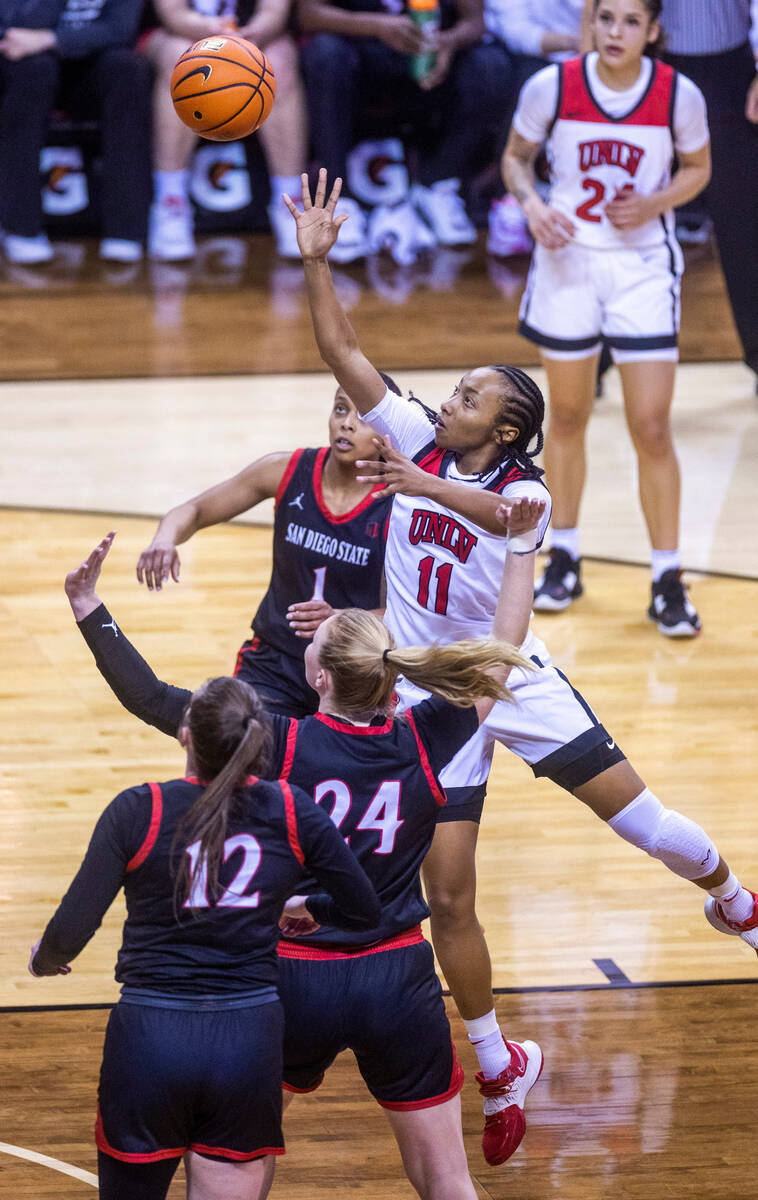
pixel 317 231
pixel 159 562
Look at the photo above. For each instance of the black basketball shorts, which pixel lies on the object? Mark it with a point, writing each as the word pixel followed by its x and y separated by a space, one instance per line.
pixel 279 679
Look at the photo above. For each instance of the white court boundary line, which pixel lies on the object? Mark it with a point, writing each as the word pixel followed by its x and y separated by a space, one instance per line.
pixel 55 1164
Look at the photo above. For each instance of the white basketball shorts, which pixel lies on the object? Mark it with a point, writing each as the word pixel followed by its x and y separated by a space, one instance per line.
pixel 576 296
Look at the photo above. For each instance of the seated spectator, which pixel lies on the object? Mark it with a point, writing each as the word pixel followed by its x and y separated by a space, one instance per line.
pixel 361 53
pixel 81 58
pixel 535 32
pixel 283 136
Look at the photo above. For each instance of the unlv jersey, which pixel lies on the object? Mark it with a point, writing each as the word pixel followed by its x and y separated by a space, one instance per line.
pixel 594 156
pixel 317 554
pixel 443 571
pixel 379 785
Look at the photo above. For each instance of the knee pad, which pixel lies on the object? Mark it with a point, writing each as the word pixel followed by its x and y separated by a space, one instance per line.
pixel 665 834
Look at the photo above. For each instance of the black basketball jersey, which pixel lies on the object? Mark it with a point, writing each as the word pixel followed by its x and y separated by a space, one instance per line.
pixel 318 554
pixel 379 785
pixel 208 943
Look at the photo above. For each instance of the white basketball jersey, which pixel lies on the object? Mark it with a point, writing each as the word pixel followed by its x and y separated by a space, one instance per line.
pixel 443 572
pixel 594 156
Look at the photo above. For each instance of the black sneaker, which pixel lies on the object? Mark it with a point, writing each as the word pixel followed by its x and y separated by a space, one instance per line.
pixel 671 608
pixel 560 584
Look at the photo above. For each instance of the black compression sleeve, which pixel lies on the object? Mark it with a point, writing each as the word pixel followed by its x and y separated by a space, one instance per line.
pixel 129 677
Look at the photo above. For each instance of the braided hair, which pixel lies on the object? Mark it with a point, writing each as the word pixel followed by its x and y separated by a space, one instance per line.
pixel 526 411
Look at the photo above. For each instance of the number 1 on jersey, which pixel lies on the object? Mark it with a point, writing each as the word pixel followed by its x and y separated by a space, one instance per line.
pixel 442 577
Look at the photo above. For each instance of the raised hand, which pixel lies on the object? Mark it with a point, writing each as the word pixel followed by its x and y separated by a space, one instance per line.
pixel 80 583
pixel 159 563
pixel 396 472
pixel 521 515
pixel 317 228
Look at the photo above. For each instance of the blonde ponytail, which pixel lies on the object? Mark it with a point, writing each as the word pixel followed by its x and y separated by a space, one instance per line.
pixel 360 655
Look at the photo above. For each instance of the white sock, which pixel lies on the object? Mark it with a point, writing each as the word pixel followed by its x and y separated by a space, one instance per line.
pixel 662 560
pixel 488 1042
pixel 735 901
pixel 170 183
pixel 565 539
pixel 285 183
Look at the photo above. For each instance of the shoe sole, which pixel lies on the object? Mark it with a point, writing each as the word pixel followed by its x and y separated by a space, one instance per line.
pixel 712 917
pixel 682 630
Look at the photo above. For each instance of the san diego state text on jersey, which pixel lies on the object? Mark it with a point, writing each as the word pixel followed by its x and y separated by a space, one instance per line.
pixel 318 554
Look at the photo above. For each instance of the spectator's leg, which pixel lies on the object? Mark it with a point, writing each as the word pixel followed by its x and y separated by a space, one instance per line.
pixel 331 69
pixel 122 82
pixel 284 137
pixel 171 220
pixel 28 91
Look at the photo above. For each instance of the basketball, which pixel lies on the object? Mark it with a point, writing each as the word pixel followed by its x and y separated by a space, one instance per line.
pixel 223 88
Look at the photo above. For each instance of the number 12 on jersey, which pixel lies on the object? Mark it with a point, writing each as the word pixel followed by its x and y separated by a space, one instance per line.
pixel 439 586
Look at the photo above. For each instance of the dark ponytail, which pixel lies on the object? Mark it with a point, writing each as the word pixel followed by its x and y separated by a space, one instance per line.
pixel 522 406
pixel 230 740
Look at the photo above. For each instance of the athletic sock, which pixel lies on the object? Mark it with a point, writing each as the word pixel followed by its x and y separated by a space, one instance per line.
pixel 285 183
pixel 565 539
pixel 489 1044
pixel 663 560
pixel 170 183
pixel 735 901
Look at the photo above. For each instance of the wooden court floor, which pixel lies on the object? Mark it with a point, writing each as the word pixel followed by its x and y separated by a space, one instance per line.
pixel 643 1011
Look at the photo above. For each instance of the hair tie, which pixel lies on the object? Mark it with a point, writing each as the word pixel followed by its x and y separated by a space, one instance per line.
pixel 385 654
pixel 246 720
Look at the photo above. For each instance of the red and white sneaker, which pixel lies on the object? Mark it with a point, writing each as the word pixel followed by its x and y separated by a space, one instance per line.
pixel 747 930
pixel 504 1099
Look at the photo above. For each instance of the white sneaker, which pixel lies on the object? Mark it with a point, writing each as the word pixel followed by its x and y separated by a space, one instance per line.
pixel 120 250
pixel 27 250
pixel 399 229
pixel 747 930
pixel 352 242
pixel 284 229
pixel 170 234
pixel 442 207
pixel 508 229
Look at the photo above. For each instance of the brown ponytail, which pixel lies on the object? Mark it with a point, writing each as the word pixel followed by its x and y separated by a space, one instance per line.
pixel 230 741
pixel 360 655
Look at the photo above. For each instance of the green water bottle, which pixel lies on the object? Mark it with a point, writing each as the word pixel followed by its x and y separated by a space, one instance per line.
pixel 426 14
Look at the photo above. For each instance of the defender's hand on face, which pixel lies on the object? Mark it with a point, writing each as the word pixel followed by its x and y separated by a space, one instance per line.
pixel 80 583
pixel 317 228
pixel 396 472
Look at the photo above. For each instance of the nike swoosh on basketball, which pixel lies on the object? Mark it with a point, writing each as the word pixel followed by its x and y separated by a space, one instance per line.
pixel 205 71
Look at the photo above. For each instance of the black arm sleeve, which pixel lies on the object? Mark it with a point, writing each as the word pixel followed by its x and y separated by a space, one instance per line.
pixel 444 729
pixel 129 677
pixel 351 902
pixel 97 882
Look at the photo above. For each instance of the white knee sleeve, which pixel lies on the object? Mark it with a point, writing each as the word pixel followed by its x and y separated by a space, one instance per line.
pixel 674 840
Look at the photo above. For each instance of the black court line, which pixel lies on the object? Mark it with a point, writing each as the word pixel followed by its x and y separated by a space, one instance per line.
pixel 108 514
pixel 612 971
pixel 498 991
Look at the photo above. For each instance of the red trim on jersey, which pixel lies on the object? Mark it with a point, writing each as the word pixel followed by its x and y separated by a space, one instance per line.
pixel 103 1144
pixel 358 730
pixel 152 831
pixel 236 1155
pixel 578 103
pixel 514 476
pixel 432 462
pixel 337 518
pixel 289 753
pixel 411 937
pixel 289 809
pixel 288 1087
pixel 437 790
pixel 456 1083
pixel 249 647
pixel 289 471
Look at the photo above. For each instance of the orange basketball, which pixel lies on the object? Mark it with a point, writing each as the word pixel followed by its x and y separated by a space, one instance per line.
pixel 223 87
